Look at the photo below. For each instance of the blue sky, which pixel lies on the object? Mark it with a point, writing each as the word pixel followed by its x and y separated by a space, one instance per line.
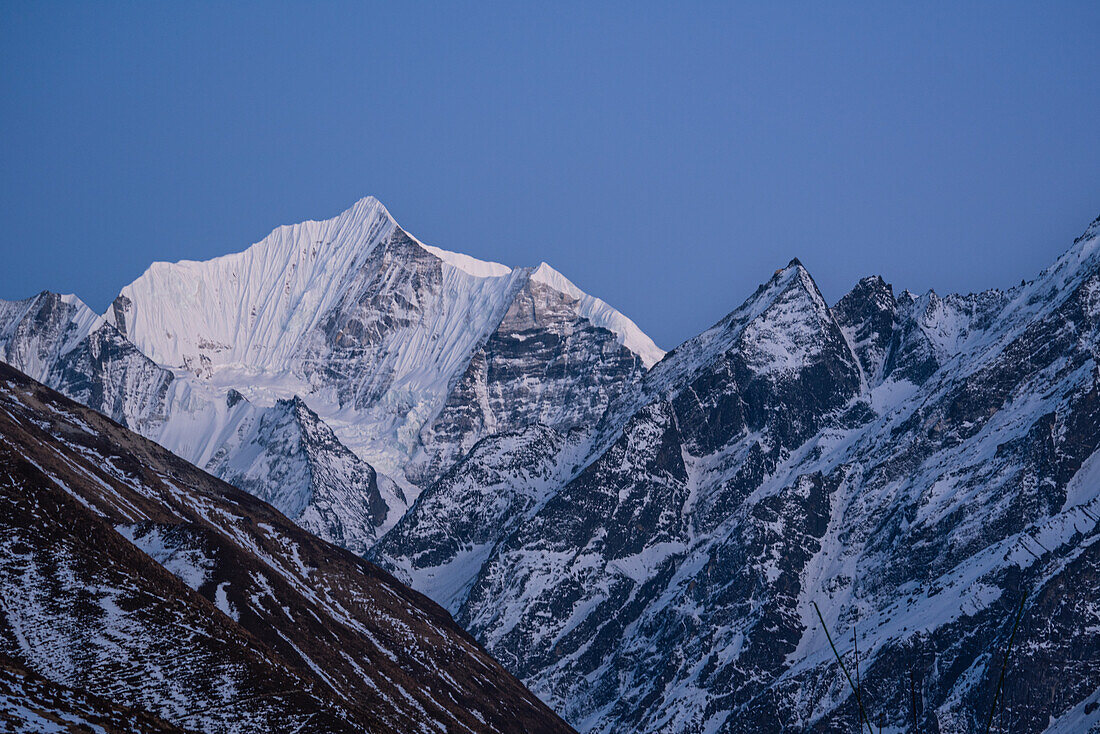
pixel 666 157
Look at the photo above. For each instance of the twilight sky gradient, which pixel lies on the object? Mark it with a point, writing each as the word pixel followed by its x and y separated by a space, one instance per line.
pixel 667 158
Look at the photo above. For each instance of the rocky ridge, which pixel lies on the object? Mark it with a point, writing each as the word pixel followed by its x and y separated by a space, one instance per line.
pixel 915 465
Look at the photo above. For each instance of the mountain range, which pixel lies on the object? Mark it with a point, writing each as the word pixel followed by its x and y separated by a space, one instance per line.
pixel 643 538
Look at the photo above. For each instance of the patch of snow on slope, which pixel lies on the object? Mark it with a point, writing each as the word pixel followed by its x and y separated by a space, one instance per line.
pixel 189 565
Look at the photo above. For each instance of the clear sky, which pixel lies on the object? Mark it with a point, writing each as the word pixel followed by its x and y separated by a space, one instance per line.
pixel 666 157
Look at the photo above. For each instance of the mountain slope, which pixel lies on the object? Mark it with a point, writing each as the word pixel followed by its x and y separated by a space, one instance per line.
pixel 287 456
pixel 30 704
pixel 441 543
pixel 914 465
pixel 130 573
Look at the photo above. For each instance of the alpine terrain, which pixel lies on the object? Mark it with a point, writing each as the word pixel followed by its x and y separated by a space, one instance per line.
pixel 917 466
pixel 335 367
pixel 641 537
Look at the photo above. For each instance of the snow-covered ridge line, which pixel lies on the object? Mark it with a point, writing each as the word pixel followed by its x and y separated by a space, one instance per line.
pixel 601 314
pixel 467 264
pixel 251 307
pixel 366 208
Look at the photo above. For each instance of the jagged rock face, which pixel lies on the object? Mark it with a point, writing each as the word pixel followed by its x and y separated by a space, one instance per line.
pixel 868 316
pixel 546 364
pixel 789 366
pixel 932 330
pixel 108 373
pixel 130 574
pixel 914 466
pixel 58 340
pixel 442 542
pixel 288 457
pixel 35 332
pixel 572 595
pixel 396 294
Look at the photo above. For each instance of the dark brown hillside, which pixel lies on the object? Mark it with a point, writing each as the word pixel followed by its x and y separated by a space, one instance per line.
pixel 30 704
pixel 129 574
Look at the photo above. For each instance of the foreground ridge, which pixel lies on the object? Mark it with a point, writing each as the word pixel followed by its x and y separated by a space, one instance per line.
pixel 131 574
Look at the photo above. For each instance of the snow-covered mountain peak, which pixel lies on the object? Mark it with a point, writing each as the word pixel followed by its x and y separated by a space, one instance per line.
pixel 251 309
pixel 790 329
pixel 350 228
pixel 405 354
pixel 546 274
pixel 870 296
pixel 241 308
pixel 70 302
pixel 72 299
pixel 370 326
pixel 790 295
pixel 874 283
pixel 783 329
